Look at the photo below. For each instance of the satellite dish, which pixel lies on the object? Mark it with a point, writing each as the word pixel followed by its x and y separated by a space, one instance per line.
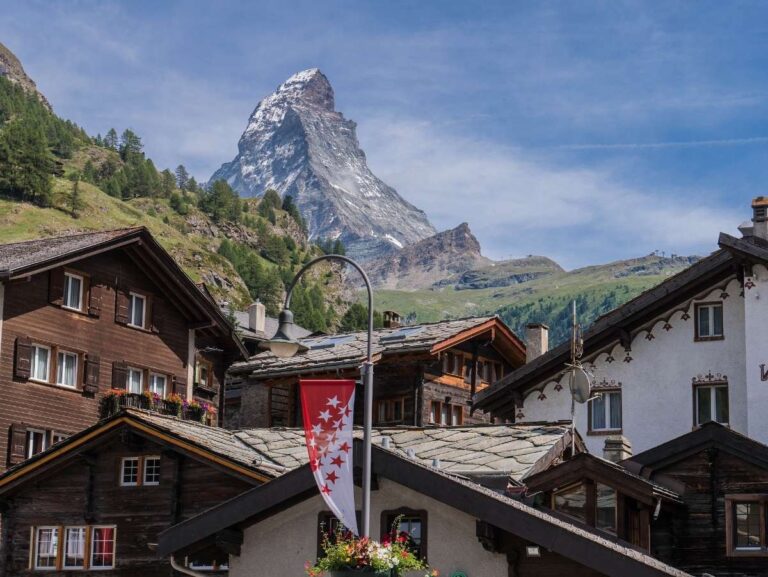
pixel 579 384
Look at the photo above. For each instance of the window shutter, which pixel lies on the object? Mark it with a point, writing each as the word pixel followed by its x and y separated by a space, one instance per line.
pixel 23 357
pixel 94 300
pixel 17 450
pixel 119 374
pixel 158 314
pixel 92 373
pixel 121 307
pixel 56 287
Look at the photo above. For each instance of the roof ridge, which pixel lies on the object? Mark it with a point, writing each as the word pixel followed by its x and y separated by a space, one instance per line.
pixel 125 230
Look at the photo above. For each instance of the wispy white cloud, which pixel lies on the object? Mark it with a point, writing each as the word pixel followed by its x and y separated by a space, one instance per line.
pixel 670 144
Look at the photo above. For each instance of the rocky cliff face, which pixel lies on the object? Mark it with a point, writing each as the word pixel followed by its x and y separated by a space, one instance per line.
pixel 427 262
pixel 298 144
pixel 11 68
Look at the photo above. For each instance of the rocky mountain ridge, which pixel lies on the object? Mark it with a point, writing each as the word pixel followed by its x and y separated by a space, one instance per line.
pixel 298 144
pixel 11 68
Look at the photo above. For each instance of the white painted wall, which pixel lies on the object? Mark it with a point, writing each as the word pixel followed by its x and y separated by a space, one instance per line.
pixel 756 331
pixel 279 545
pixel 657 392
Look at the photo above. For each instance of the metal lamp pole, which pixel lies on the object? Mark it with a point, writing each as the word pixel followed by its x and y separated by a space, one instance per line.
pixel 283 344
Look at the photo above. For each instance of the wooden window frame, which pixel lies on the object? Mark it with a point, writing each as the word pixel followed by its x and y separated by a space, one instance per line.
pixel 144 297
pixel 199 362
pixel 34 430
pixel 53 364
pixel 696 335
pixel 36 548
pixel 64 566
pixel 93 543
pixel 123 461
pixel 144 460
pixel 713 384
pixel 731 500
pixel 392 400
pixel 608 431
pixel 451 407
pixel 392 514
pixel 83 280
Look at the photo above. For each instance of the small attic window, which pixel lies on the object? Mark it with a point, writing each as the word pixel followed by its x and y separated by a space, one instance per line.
pixel 329 342
pixel 401 334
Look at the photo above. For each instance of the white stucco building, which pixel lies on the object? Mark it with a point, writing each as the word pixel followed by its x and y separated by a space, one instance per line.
pixel 691 350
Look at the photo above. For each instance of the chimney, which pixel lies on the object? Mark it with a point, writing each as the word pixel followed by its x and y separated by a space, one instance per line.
pixel 391 320
pixel 536 340
pixel 257 317
pixel 617 449
pixel 760 217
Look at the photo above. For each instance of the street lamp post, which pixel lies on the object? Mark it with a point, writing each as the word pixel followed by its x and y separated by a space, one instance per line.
pixel 284 344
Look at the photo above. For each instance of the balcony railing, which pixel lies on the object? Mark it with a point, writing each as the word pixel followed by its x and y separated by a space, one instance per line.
pixel 116 400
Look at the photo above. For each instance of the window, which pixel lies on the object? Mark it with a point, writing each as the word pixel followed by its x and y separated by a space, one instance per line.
pixel 389 411
pixel 74 547
pixel 605 412
pixel 203 373
pixel 151 470
pixel 710 403
pixel 605 508
pixel 709 321
pixel 157 384
pixel 457 415
pixel 46 547
pixel 412 522
pixel 73 291
pixel 66 369
pixel 746 517
pixel 57 437
pixel 135 380
pixel 137 310
pixel 445 414
pixel 41 361
pixel 572 501
pixel 129 472
pixel 103 548
pixel 37 442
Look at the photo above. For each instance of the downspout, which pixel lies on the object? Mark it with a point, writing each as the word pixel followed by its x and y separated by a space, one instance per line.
pixel 185 570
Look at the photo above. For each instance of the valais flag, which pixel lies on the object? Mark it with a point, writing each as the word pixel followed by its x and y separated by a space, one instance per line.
pixel 328 408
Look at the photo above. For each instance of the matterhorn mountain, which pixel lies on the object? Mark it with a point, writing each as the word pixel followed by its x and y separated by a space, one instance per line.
pixel 298 144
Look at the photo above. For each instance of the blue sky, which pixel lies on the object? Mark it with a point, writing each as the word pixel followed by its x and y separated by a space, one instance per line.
pixel 585 131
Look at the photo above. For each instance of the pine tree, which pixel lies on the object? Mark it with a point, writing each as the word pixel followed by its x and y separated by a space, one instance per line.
pixel 167 183
pixel 130 145
pixel 192 185
pixel 182 177
pixel 110 140
pixel 75 203
pixel 25 163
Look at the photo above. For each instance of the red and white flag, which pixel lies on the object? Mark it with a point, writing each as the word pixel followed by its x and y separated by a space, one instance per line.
pixel 328 408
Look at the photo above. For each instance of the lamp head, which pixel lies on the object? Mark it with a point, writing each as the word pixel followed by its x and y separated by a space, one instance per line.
pixel 284 344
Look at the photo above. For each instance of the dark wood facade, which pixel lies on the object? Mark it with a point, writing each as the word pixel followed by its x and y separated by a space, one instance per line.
pixel 83 487
pixel 172 346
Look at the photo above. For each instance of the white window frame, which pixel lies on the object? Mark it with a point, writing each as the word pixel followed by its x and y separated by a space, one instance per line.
pixel 65 544
pixel 54 530
pixel 61 437
pixel 144 472
pixel 711 315
pixel 67 277
pixel 152 377
pixel 125 460
pixel 129 381
pixel 32 375
pixel 91 567
pixel 712 403
pixel 58 365
pixel 606 396
pixel 28 449
pixel 132 296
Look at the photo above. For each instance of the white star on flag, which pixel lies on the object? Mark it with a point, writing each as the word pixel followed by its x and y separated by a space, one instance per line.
pixel 334 401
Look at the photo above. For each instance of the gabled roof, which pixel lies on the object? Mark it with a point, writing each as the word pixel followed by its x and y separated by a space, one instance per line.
pixel 348 350
pixel 21 259
pixel 588 466
pixel 611 328
pixel 707 436
pixel 512 451
pixel 515 517
pixel 215 445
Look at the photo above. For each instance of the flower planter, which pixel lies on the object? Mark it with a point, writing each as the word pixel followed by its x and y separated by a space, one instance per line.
pixel 356 573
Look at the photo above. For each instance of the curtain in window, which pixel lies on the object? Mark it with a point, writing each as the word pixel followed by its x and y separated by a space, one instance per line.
pixel 103 547
pixel 614 410
pixel 717 321
pixel 75 545
pixel 721 405
pixel 134 381
pixel 598 412
pixel 704 322
pixel 41 364
pixel 47 545
pixel 66 369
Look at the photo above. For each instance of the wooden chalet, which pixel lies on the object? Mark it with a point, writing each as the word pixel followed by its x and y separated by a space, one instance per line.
pixel 698 502
pixel 424 374
pixel 86 313
pixel 459 526
pixel 97 500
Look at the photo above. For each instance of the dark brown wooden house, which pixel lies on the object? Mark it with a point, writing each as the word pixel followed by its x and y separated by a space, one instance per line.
pixel 424 374
pixel 85 313
pixel 98 500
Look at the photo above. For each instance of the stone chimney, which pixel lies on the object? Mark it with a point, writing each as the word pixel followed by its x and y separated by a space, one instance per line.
pixel 391 319
pixel 536 340
pixel 257 317
pixel 617 449
pixel 760 217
